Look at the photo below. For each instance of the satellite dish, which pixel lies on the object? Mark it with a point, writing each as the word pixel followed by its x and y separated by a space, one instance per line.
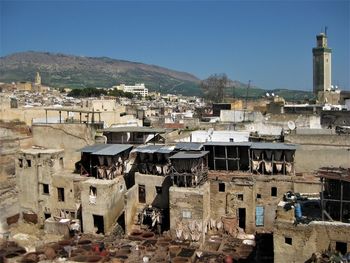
pixel 267 94
pixel 252 128
pixel 291 125
pixel 272 94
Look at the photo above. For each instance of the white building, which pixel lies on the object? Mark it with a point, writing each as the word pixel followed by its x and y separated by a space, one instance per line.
pixel 138 88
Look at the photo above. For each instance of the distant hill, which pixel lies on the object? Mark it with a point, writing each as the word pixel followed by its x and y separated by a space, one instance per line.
pixel 59 70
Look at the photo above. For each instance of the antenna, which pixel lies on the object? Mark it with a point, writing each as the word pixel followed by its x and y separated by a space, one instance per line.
pixel 325 30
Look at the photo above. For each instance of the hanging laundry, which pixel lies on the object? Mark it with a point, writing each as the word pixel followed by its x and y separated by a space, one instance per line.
pixel 268 167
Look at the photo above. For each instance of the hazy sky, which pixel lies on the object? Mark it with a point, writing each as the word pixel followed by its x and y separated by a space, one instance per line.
pixel 268 42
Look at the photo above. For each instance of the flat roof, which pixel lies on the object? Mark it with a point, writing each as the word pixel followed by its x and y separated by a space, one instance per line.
pixel 70 110
pixel 154 149
pixel 189 155
pixel 40 151
pixel 273 146
pixel 106 149
pixel 135 129
pixel 189 146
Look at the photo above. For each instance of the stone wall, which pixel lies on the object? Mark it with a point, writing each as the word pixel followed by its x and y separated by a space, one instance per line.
pixel 307 239
pixel 316 151
pixel 130 207
pixel 160 200
pixel 70 137
pixel 109 202
pixel 187 205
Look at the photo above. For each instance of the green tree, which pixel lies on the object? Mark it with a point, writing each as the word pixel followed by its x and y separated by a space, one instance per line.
pixel 214 87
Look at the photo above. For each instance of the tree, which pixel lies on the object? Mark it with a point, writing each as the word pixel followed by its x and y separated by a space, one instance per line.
pixel 214 87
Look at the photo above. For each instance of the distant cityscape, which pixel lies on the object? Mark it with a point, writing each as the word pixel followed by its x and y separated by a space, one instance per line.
pixel 128 173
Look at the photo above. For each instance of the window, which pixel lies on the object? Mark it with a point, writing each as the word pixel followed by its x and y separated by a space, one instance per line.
pixel 259 216
pixel 158 189
pixel 46 189
pixel 258 196
pixel 20 163
pixel 187 214
pixel 288 240
pixel 232 140
pixel 47 215
pixel 221 187
pixel 60 193
pixel 93 191
pixel 341 247
pixel 61 161
pixel 29 162
pixel 273 191
pixel 240 197
pixel 121 188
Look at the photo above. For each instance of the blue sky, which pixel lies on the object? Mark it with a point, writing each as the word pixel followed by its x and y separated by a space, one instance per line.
pixel 268 42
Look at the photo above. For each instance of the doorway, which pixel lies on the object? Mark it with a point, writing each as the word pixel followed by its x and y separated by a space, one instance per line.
pixel 241 217
pixel 142 194
pixel 99 224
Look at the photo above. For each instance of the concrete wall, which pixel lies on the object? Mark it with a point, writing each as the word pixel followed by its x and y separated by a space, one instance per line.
pixel 109 202
pixel 70 137
pixel 307 239
pixel 130 207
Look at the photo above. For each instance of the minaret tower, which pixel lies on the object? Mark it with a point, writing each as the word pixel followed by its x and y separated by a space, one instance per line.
pixel 322 64
pixel 37 79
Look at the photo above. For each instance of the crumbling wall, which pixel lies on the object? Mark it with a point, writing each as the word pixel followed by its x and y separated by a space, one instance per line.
pixel 109 202
pixel 269 191
pixel 34 167
pixel 188 205
pixel 296 243
pixel 160 200
pixel 70 137
pixel 241 195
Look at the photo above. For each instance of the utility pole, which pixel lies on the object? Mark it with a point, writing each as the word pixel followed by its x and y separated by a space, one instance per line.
pixel 246 101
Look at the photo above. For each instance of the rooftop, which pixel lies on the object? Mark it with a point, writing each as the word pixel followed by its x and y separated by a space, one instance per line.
pixel 106 149
pixel 189 155
pixel 154 149
pixel 188 146
pixel 36 151
pixel 135 129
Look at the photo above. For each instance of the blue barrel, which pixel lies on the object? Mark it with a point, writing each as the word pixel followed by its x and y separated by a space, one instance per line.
pixel 298 213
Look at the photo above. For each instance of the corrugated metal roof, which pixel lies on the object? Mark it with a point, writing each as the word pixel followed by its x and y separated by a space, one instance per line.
pixel 147 148
pixel 189 155
pixel 92 148
pixel 154 149
pixel 248 144
pixel 113 149
pixel 166 149
pixel 189 146
pixel 134 129
pixel 105 149
pixel 273 146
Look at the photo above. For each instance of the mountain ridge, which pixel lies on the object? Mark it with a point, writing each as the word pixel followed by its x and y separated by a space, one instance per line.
pixel 64 70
